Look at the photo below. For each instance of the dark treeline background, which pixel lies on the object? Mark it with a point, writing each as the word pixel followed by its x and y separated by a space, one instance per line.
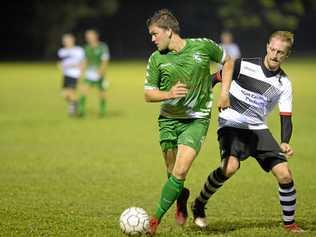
pixel 31 30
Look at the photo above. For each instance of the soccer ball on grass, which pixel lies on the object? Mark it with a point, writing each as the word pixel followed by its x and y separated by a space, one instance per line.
pixel 134 221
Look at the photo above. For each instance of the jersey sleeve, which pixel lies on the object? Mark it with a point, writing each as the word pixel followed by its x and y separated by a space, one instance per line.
pixel 106 53
pixel 285 101
pixel 236 71
pixel 60 54
pixel 152 74
pixel 215 51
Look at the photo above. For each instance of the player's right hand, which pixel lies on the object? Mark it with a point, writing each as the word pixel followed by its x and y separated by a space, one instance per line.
pixel 286 149
pixel 179 90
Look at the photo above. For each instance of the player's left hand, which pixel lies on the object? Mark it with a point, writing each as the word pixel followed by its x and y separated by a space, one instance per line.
pixel 287 149
pixel 223 102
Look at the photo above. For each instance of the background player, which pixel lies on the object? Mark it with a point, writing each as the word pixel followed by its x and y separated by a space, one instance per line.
pixel 230 47
pixel 97 56
pixel 70 62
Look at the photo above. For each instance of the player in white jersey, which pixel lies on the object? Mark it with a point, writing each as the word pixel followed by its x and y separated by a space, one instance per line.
pixel 258 85
pixel 70 63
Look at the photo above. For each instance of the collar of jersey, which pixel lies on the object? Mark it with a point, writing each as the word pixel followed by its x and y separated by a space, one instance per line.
pixel 267 72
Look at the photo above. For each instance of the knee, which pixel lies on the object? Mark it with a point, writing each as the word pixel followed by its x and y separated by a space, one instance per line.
pixel 284 176
pixel 230 167
pixel 180 173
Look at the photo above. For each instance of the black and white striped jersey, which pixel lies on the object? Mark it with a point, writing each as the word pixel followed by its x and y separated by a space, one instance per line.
pixel 254 92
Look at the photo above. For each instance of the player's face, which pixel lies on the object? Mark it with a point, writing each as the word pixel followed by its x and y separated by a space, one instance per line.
pixel 160 37
pixel 91 37
pixel 277 52
pixel 68 41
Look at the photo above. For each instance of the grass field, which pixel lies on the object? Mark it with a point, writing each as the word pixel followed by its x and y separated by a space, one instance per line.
pixel 73 177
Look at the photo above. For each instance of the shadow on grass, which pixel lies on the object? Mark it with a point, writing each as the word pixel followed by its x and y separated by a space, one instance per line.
pixel 223 227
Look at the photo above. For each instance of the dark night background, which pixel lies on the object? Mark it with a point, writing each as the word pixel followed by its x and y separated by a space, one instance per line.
pixel 31 30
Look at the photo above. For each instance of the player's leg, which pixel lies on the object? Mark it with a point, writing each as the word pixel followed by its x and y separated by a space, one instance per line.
pixel 101 84
pixel 233 142
pixel 213 183
pixel 69 86
pixel 72 101
pixel 84 90
pixel 270 157
pixel 181 210
pixel 189 143
pixel 173 187
pixel 102 96
pixel 287 196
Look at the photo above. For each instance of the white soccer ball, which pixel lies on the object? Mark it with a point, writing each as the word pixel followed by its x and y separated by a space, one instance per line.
pixel 134 221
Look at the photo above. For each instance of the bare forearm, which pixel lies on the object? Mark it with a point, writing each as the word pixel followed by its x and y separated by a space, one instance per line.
pixel 227 73
pixel 103 67
pixel 156 95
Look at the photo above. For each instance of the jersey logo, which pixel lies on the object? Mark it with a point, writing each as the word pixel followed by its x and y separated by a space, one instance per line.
pixel 197 57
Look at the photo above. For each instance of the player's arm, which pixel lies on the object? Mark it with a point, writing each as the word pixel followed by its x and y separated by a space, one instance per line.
pixel 103 67
pixel 227 73
pixel 152 93
pixel 286 133
pixel 285 107
pixel 217 77
pixel 179 90
pixel 105 60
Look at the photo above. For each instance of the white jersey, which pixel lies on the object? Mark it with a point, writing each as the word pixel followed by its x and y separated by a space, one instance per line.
pixel 254 92
pixel 71 59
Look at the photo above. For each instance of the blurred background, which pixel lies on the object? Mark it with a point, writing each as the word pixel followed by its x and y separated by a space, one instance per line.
pixel 31 30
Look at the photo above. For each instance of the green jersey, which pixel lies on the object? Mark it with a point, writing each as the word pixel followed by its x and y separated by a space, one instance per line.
pixel 94 57
pixel 190 66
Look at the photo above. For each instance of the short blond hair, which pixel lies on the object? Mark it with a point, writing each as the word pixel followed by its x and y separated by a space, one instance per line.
pixel 286 36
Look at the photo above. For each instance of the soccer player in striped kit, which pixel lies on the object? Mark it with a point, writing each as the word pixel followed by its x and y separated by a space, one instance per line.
pixel 258 84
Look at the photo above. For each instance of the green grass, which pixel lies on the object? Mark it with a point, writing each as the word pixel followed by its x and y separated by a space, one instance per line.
pixel 73 177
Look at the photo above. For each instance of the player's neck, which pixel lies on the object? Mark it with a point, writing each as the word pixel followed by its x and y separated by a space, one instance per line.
pixel 94 44
pixel 265 63
pixel 176 43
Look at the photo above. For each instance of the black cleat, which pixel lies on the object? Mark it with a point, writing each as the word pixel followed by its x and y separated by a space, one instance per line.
pixel 182 211
pixel 198 210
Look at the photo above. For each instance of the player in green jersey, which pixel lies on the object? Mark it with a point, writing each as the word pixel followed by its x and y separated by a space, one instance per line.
pixel 178 76
pixel 96 62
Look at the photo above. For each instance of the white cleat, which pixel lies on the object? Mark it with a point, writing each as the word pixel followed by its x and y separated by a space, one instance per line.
pixel 200 222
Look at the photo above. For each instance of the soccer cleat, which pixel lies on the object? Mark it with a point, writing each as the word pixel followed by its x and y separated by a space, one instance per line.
pixel 182 211
pixel 293 228
pixel 153 225
pixel 199 217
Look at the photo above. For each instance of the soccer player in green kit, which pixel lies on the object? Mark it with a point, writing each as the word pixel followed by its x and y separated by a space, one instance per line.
pixel 96 62
pixel 178 76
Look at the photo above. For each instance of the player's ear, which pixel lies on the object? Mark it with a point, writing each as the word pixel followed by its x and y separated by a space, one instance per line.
pixel 169 33
pixel 289 52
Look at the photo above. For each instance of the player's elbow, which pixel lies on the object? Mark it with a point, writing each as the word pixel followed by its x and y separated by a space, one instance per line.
pixel 147 97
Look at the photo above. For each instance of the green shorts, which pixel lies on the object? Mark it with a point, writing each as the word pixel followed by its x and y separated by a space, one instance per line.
pixel 190 132
pixel 101 84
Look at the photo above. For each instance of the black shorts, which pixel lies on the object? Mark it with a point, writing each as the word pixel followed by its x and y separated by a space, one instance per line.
pixel 69 82
pixel 243 143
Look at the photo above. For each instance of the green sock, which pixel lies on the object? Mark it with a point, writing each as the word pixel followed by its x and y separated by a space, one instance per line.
pixel 170 193
pixel 102 107
pixel 81 107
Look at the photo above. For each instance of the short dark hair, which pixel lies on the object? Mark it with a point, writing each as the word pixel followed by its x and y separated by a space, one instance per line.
pixel 164 19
